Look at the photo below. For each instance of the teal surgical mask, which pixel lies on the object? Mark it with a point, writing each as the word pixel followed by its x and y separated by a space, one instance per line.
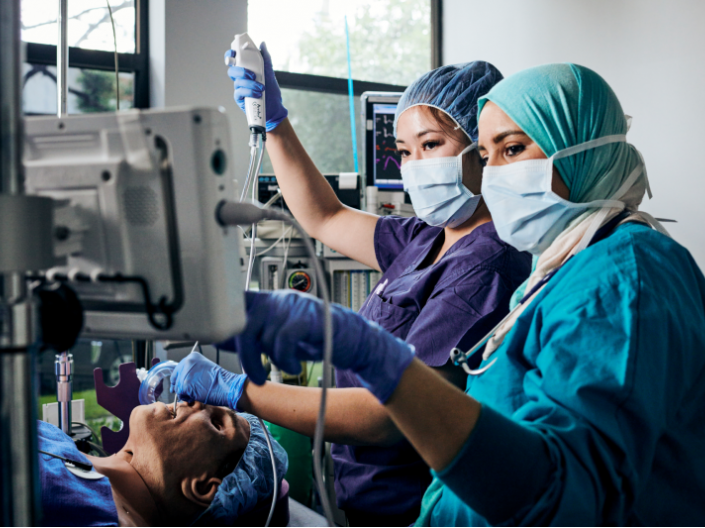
pixel 436 189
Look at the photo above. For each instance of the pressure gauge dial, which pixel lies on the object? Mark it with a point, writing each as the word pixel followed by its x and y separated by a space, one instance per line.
pixel 301 281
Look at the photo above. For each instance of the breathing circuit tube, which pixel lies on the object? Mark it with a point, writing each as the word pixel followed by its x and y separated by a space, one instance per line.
pixel 230 213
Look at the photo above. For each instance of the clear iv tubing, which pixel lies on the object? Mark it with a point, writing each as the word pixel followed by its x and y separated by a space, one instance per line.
pixel 253 236
pixel 253 231
pixel 250 172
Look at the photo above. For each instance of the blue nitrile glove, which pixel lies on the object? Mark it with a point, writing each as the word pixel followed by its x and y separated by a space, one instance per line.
pixel 246 86
pixel 288 327
pixel 197 378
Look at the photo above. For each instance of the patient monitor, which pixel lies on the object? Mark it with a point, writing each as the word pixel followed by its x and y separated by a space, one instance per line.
pixel 134 223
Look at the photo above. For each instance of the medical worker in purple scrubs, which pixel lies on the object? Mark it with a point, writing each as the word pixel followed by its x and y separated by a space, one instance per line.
pixel 585 406
pixel 447 277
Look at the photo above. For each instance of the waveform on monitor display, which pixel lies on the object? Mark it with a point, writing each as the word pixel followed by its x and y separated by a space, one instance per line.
pixel 394 161
pixel 388 160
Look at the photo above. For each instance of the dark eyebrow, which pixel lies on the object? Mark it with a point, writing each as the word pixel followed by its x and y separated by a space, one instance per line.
pixel 422 133
pixel 503 135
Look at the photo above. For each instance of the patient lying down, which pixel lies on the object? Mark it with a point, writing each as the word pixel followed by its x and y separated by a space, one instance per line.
pixel 205 465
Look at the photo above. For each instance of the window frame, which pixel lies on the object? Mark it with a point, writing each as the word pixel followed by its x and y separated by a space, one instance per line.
pixel 136 63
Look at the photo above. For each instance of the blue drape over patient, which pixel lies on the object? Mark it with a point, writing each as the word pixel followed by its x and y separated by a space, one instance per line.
pixel 68 500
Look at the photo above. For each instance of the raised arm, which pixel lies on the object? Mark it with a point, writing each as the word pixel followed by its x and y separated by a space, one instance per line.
pixel 307 193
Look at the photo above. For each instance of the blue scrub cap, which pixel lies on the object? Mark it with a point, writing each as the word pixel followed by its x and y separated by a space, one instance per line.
pixel 250 482
pixel 454 89
pixel 562 105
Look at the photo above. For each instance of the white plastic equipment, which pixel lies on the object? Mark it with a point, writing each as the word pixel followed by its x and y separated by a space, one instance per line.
pixel 247 55
pixel 144 187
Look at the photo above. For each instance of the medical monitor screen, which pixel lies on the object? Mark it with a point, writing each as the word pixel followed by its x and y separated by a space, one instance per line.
pixel 387 161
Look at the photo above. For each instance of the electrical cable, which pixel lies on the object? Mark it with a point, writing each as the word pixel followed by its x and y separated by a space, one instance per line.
pixel 160 314
pixel 253 238
pixel 75 463
pixel 268 203
pixel 99 449
pixel 230 213
pixel 95 435
pixel 285 233
pixel 287 245
pixel 117 70
pixel 94 445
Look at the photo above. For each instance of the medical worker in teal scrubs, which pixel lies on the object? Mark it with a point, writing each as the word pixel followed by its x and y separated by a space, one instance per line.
pixel 586 406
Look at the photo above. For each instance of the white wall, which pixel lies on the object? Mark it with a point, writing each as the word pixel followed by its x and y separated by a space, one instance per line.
pixel 652 53
pixel 187 40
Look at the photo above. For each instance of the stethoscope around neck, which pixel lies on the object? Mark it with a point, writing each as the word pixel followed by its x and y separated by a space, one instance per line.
pixel 474 355
pixel 465 359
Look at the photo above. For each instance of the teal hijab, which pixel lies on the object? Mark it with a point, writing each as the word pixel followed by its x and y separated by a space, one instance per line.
pixel 562 105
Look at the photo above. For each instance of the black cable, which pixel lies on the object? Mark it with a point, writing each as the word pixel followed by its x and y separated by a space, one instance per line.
pixel 96 447
pixel 95 435
pixel 217 356
pixel 162 308
pixel 79 465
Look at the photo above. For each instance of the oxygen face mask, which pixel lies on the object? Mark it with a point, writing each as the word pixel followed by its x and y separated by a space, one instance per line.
pixel 156 386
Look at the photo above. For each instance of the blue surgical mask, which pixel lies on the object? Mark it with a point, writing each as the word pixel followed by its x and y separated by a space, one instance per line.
pixel 526 212
pixel 436 189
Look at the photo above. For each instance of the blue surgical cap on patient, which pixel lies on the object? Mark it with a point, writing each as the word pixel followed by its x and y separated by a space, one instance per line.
pixel 453 89
pixel 250 482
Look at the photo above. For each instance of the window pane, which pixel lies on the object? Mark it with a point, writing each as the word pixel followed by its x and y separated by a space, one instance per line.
pixel 390 40
pixel 89 90
pixel 322 122
pixel 89 24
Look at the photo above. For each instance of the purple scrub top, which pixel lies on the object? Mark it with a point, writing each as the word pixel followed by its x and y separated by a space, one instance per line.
pixel 437 307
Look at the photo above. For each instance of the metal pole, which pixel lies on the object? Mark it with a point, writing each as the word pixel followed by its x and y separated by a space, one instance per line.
pixel 63 368
pixel 62 59
pixel 19 479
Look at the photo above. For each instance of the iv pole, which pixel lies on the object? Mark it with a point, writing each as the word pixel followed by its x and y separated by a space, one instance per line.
pixel 63 362
pixel 19 475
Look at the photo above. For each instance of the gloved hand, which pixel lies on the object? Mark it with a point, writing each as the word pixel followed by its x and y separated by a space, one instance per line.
pixel 197 378
pixel 288 327
pixel 246 86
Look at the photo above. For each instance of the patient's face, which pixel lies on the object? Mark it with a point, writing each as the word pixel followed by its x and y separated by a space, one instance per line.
pixel 198 439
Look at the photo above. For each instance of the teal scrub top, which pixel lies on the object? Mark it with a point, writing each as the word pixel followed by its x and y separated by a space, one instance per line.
pixel 594 412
